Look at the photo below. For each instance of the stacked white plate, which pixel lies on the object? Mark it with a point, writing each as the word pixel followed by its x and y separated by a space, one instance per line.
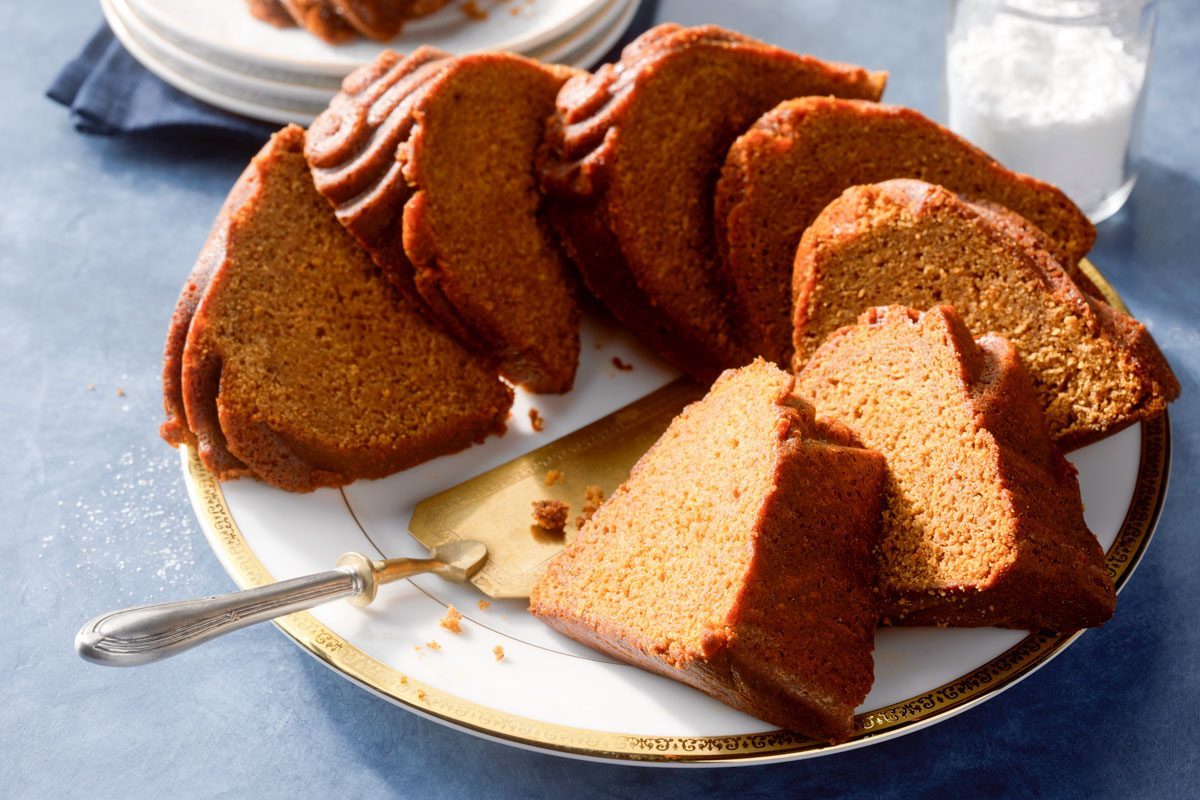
pixel 218 53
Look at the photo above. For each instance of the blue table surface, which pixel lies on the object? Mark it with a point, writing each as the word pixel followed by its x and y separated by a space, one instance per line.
pixel 97 236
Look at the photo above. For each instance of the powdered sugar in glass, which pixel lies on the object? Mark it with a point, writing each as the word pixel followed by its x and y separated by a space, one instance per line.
pixel 1054 88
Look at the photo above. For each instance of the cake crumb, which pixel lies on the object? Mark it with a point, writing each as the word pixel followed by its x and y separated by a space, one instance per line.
pixel 593 498
pixel 420 694
pixel 120 392
pixel 553 477
pixel 483 605
pixel 417 647
pixel 535 420
pixel 579 522
pixel 621 365
pixel 432 644
pixel 452 621
pixel 550 515
pixel 498 652
pixel 472 10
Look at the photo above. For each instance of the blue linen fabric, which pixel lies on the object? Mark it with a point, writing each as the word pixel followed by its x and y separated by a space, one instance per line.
pixel 109 93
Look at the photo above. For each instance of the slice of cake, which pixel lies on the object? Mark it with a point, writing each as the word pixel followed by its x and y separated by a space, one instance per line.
pixel 351 147
pixel 801 155
pixel 429 162
pixel 736 559
pixel 984 522
pixel 473 230
pixel 1095 370
pixel 290 359
pixel 632 158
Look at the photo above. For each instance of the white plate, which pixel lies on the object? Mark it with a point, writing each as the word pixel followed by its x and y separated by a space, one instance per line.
pixel 236 98
pixel 219 30
pixel 550 693
pixel 264 96
pixel 589 53
pixel 213 74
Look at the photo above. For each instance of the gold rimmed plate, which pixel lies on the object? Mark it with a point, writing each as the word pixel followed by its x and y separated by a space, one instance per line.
pixel 548 692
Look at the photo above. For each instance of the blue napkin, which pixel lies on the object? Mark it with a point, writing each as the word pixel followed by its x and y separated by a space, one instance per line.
pixel 109 93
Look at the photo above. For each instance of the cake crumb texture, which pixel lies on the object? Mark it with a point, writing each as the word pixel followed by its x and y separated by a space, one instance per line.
pixel 452 621
pixel 550 515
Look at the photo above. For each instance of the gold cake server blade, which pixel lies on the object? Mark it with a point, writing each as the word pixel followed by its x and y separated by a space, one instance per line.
pixel 496 507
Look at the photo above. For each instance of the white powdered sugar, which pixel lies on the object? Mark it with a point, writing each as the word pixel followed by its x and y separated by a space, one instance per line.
pixel 1056 100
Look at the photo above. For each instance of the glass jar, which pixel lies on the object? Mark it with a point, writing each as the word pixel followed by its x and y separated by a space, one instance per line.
pixel 1054 88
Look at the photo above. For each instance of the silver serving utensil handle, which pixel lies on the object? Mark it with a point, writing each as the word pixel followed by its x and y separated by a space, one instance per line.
pixel 143 634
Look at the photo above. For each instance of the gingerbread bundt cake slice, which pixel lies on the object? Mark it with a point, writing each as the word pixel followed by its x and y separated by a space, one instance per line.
pixel 802 154
pixel 428 160
pixel 300 365
pixel 984 522
pixel 632 158
pixel 736 558
pixel 1095 369
pixel 485 263
pixel 351 148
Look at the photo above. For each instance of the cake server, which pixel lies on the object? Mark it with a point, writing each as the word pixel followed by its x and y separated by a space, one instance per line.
pixel 494 508
pixel 479 531
pixel 142 634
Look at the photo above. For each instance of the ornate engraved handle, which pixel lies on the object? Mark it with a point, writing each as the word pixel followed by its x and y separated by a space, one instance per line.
pixel 143 634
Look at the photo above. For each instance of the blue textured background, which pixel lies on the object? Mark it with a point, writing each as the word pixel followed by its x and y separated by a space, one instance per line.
pixel 96 236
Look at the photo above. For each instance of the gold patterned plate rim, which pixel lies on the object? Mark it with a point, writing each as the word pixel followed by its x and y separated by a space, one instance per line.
pixel 906 716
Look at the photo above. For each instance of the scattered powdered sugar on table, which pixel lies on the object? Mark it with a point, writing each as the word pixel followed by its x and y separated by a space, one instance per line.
pixel 139 522
pixel 1057 101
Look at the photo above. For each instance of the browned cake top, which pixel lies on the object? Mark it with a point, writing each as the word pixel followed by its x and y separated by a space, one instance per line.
pixel 904 241
pixel 976 491
pixel 473 229
pixel 651 131
pixel 300 346
pixel 802 154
